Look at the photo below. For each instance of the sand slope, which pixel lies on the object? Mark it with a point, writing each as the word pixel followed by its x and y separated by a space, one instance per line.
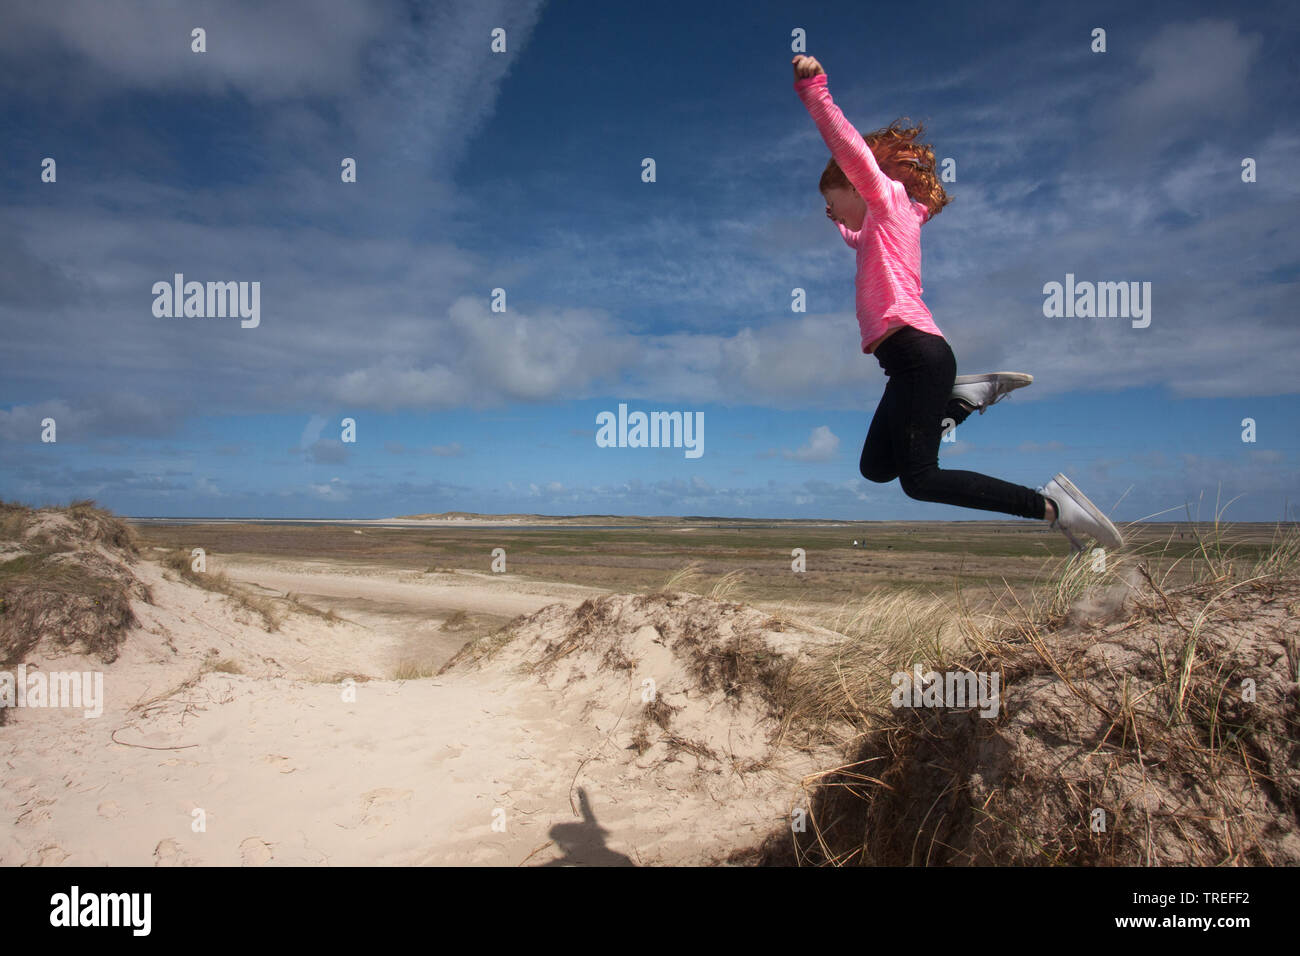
pixel 484 764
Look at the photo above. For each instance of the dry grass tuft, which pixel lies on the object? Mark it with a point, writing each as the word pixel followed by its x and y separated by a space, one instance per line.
pixel 456 621
pixel 691 579
pixel 218 582
pixel 70 583
pixel 410 670
pixel 1170 716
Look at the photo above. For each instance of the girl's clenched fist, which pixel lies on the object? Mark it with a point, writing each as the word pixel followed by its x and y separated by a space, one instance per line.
pixel 806 66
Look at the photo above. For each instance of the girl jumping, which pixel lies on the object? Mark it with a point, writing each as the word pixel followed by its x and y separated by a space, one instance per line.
pixel 879 191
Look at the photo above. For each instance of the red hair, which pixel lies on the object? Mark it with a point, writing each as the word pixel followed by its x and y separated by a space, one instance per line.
pixel 899 157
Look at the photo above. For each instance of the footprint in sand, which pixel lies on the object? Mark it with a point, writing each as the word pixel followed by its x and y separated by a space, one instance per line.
pixel 18 791
pixel 169 853
pixel 110 809
pixel 34 811
pixel 382 806
pixel 451 752
pixel 255 851
pixel 49 855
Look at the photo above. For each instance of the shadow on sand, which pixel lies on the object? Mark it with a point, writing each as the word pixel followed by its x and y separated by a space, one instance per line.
pixel 583 844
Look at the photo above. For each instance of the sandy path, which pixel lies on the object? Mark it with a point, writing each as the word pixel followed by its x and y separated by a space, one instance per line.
pixel 383 772
pixel 404 611
pixel 408 772
pixel 286 764
pixel 501 595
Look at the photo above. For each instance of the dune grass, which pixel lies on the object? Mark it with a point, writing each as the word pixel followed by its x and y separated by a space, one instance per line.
pixel 218 582
pixel 59 588
pixel 1182 715
pixel 412 670
pixel 890 630
pixel 729 586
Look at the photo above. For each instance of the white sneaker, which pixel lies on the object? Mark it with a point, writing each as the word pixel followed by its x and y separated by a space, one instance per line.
pixel 1076 514
pixel 981 391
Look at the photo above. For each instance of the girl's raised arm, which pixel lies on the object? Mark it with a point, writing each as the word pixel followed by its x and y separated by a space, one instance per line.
pixel 846 145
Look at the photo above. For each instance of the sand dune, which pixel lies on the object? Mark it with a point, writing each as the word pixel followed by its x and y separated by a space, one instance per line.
pixel 1139 723
pixel 483 764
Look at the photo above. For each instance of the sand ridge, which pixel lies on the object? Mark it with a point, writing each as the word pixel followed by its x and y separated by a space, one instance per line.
pixel 480 765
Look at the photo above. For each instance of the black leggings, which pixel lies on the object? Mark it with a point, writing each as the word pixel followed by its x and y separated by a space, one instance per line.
pixel 903 441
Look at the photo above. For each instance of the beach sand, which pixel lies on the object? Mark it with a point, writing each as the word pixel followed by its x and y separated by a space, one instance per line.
pixel 277 757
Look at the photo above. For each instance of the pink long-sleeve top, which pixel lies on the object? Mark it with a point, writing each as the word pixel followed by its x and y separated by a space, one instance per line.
pixel 888 245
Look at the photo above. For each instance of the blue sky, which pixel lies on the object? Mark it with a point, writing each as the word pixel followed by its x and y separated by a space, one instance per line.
pixel 522 171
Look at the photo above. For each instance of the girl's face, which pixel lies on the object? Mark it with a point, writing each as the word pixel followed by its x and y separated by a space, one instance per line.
pixel 846 207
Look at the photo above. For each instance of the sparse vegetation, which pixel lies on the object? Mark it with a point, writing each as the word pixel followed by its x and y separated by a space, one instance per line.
pixel 684 579
pixel 338 677
pixel 728 586
pixel 221 666
pixel 298 604
pixel 410 670
pixel 1123 695
pixel 182 563
pixel 482 647
pixel 59 588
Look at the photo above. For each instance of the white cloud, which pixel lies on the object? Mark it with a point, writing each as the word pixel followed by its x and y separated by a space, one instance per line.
pixel 1196 72
pixel 333 490
pixel 821 446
